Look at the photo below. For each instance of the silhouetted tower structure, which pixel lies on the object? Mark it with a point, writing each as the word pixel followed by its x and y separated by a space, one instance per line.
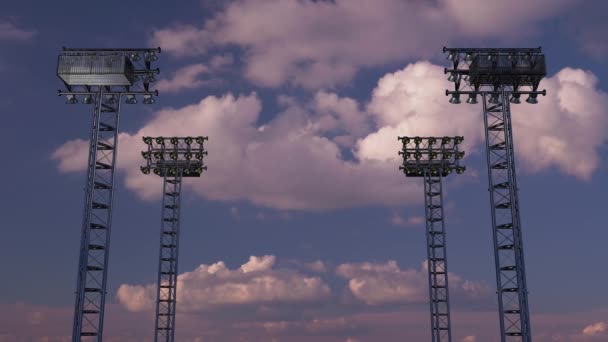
pixel 433 158
pixel 501 76
pixel 172 159
pixel 101 77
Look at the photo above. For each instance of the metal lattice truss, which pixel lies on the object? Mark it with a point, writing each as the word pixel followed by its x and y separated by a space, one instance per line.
pixel 506 223
pixel 97 77
pixel 166 299
pixel 501 76
pixel 172 159
pixel 434 158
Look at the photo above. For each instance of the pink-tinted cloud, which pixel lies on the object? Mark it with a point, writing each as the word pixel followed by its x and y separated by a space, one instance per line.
pixel 122 326
pixel 10 31
pixel 258 163
pixel 547 135
pixel 596 329
pixel 384 283
pixel 184 78
pixel 211 286
pixel 324 43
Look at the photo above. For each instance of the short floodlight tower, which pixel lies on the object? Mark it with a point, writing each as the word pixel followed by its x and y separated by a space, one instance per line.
pixel 172 159
pixel 433 158
pixel 501 77
pixel 100 77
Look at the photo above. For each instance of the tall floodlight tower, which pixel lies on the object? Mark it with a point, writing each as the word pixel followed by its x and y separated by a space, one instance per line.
pixel 101 77
pixel 501 76
pixel 172 159
pixel 433 158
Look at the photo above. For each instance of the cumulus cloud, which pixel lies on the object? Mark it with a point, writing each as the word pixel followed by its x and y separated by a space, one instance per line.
pixel 596 329
pixel 564 131
pixel 215 285
pixel 257 163
pixel 377 283
pixel 10 31
pixel 324 43
pixel 184 78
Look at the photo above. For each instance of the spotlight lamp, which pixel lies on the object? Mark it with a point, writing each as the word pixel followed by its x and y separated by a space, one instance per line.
pixel 515 98
pixel 459 155
pixel 160 140
pixel 447 155
pixel 159 155
pixel 71 99
pixel 468 57
pixel 146 154
pixel 494 99
pixel 148 99
pixel 188 155
pixel 458 140
pixel 417 155
pixel 406 140
pixel 447 170
pixel 87 99
pixel 145 170
pixel 454 77
pixel 131 99
pixel 200 140
pixel 455 99
pixel 135 57
pixel 188 140
pixel 453 56
pixel 432 141
pixel 460 169
pixel 417 140
pixel 110 99
pixel 472 99
pixel 174 141
pixel 532 99
pixel 156 171
pixel 147 140
pixel 432 155
pixel 186 171
pixel 173 155
pixel 445 140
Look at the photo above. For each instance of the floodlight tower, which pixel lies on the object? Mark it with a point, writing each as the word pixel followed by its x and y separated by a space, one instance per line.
pixel 101 77
pixel 183 158
pixel 433 158
pixel 501 76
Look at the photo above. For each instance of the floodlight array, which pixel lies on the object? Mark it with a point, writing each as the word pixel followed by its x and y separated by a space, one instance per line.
pixel 167 156
pixel 117 73
pixel 488 71
pixel 437 155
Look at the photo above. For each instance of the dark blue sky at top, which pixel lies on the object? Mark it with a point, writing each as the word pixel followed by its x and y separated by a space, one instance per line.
pixel 563 221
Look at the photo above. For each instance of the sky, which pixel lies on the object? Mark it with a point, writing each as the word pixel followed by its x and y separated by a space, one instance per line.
pixel 303 228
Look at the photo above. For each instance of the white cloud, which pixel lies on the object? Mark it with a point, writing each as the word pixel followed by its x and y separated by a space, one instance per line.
pixel 596 329
pixel 246 162
pixel 324 43
pixel 377 283
pixel 564 131
pixel 184 78
pixel 10 31
pixel 215 285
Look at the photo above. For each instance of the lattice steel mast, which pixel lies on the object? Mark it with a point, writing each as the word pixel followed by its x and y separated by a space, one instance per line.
pixel 184 158
pixel 101 77
pixel 499 75
pixel 433 158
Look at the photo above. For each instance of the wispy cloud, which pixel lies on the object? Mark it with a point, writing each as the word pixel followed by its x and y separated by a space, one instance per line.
pixel 10 31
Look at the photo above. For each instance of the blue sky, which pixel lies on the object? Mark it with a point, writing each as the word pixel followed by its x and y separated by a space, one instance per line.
pixel 302 101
